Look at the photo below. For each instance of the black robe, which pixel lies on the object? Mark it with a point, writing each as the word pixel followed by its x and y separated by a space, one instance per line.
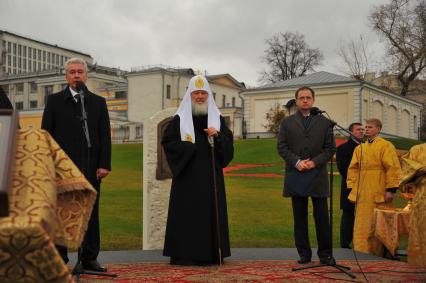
pixel 191 224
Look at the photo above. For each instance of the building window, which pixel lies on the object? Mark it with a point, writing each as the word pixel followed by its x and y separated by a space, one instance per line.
pixel 48 89
pixel 5 89
pixel 233 102
pixel 415 124
pixel 33 87
pixel 223 101
pixel 33 104
pixel 19 105
pixel 20 87
pixel 121 95
pixel 168 92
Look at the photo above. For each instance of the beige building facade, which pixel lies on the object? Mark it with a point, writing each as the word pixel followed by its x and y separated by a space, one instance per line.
pixel 153 89
pixel 346 100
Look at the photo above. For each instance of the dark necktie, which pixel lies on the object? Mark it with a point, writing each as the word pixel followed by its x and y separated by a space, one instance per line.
pixel 306 121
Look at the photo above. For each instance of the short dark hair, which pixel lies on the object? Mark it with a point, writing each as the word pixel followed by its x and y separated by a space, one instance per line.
pixel 304 88
pixel 351 126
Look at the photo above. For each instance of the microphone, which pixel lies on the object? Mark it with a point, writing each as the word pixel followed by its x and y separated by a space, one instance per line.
pixel 211 141
pixel 316 111
pixel 80 87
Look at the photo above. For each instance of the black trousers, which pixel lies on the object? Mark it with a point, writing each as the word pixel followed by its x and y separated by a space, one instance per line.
pixel 91 242
pixel 347 227
pixel 322 226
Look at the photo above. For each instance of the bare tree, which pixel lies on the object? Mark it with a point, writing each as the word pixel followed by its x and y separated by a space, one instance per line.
pixel 355 57
pixel 273 118
pixel 402 25
pixel 288 56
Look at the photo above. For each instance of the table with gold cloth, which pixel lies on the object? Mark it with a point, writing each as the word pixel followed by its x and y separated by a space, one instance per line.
pixel 50 203
pixel 388 226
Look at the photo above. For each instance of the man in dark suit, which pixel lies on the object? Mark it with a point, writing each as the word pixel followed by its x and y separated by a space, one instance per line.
pixel 62 119
pixel 306 143
pixel 343 158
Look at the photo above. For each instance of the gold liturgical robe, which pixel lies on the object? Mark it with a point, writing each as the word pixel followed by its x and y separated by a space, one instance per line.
pixel 412 162
pixel 374 168
pixel 50 202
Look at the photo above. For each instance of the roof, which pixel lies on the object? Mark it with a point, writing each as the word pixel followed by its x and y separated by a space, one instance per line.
pixel 228 76
pixel 309 80
pixel 323 78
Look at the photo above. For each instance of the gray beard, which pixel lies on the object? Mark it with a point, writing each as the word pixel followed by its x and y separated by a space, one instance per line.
pixel 200 109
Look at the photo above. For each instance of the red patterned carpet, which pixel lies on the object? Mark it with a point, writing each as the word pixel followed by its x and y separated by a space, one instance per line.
pixel 261 271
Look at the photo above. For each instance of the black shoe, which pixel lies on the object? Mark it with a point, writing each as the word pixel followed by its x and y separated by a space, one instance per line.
pixel 179 261
pixel 304 260
pixel 94 265
pixel 328 260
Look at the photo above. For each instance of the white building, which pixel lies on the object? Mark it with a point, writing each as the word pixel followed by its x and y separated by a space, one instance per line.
pixel 157 88
pixel 19 54
pixel 346 100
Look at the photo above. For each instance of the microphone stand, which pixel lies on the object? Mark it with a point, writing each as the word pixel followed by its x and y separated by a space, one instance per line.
pixel 219 250
pixel 78 268
pixel 332 261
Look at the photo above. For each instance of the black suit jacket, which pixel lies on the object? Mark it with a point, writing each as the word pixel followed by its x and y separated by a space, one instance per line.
pixel 343 159
pixel 4 101
pixel 62 119
pixel 316 141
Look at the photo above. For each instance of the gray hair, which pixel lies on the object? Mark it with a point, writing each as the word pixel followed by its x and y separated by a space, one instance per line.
pixel 76 60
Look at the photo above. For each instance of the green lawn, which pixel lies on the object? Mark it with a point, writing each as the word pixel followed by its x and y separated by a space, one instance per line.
pixel 121 200
pixel 258 214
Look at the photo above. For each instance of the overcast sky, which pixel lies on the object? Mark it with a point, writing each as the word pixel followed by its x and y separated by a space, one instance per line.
pixel 219 36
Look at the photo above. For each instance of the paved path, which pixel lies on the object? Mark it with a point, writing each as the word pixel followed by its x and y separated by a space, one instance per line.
pixel 133 256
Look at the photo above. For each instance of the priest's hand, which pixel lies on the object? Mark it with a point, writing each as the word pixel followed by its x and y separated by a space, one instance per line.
pixel 211 132
pixel 388 197
pixel 101 173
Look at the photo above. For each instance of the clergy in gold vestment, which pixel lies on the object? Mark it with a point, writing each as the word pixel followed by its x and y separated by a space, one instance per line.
pixel 414 177
pixel 373 177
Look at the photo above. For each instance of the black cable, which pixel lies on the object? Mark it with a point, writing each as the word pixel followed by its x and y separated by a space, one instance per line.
pixel 356 201
pixel 356 204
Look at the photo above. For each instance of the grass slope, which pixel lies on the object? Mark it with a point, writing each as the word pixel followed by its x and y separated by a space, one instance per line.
pixel 258 214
